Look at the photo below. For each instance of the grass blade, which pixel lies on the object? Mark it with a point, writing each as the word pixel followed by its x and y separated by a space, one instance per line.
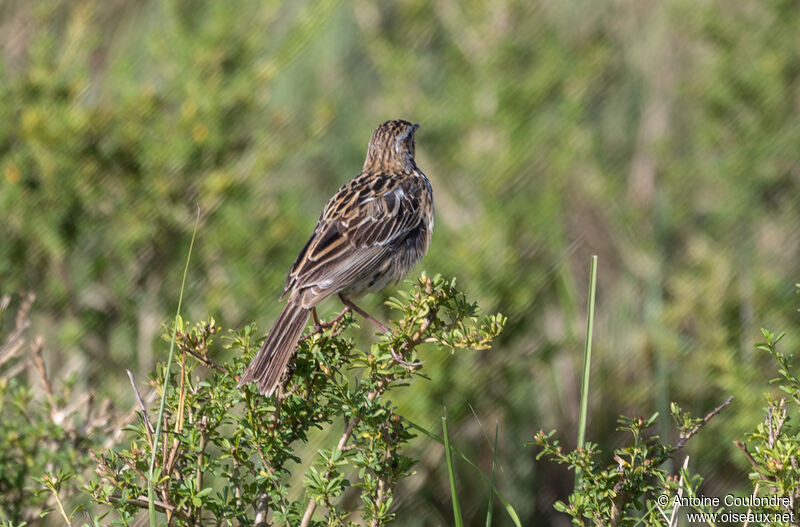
pixel 150 475
pixel 490 510
pixel 488 440
pixel 459 522
pixel 509 509
pixel 587 365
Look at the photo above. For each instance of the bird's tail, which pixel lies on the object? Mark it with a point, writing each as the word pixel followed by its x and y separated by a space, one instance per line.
pixel 270 361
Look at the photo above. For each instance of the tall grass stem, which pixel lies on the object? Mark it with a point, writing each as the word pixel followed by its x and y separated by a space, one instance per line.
pixel 587 366
pixel 150 475
pixel 512 513
pixel 490 510
pixel 457 519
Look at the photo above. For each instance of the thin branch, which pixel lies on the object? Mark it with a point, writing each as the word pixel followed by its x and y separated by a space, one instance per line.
pixel 743 447
pixel 208 361
pixel 350 426
pixel 352 423
pixel 148 425
pixel 38 361
pixel 14 342
pixel 16 369
pixel 673 519
pixel 381 494
pixel 11 349
pixel 702 423
pixel 774 427
pixel 334 511
pixel 750 508
pixel 166 508
pixel 173 454
pixel 115 429
pixel 61 510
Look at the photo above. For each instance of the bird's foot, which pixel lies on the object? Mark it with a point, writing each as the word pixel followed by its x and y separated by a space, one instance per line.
pixel 318 324
pixel 321 325
pixel 347 302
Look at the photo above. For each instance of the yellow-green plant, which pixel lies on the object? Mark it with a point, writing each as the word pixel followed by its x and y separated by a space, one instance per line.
pixel 228 454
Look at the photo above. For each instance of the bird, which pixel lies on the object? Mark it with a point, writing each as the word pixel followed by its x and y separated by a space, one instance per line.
pixel 370 234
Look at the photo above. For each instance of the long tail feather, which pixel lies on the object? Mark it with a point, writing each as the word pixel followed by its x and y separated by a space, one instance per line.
pixel 269 363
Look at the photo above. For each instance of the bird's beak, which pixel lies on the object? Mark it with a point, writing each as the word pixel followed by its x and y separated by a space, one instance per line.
pixel 415 128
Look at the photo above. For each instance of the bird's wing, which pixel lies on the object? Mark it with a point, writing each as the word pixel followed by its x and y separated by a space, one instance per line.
pixel 356 231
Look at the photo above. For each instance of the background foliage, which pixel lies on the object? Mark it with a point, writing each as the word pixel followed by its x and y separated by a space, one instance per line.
pixel 662 136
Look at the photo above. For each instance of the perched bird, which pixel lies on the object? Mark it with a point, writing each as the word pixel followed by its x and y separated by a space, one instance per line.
pixel 370 234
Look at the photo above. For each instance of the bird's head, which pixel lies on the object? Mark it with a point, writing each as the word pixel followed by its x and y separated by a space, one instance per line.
pixel 392 146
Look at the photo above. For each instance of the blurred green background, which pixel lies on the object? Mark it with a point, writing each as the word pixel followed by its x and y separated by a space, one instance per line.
pixel 662 136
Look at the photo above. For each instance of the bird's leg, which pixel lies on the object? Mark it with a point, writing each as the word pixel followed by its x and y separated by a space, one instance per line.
pixel 346 301
pixel 317 324
pixel 321 325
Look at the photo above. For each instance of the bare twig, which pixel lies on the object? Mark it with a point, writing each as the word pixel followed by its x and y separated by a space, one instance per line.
pixel 381 495
pixel 16 369
pixel 684 438
pixel 164 452
pixel 673 520
pixel 38 361
pixel 750 508
pixel 205 359
pixel 148 425
pixel 198 476
pixel 11 349
pixel 173 453
pixel 166 508
pixel 743 447
pixel 14 342
pixel 115 429
pixel 775 424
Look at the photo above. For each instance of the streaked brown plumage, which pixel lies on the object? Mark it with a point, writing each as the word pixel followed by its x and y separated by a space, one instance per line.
pixel 370 234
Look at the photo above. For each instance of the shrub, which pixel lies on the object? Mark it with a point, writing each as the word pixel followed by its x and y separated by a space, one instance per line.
pixel 775 443
pixel 613 494
pixel 228 453
pixel 46 429
pixel 638 489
